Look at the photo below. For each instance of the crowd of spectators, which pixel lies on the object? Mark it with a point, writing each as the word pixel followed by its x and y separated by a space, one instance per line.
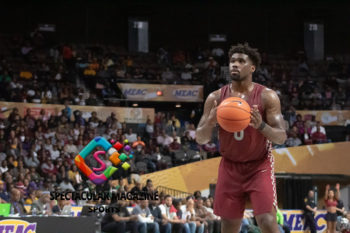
pixel 86 74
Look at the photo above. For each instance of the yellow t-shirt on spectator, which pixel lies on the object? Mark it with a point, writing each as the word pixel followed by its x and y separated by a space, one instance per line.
pixel 26 75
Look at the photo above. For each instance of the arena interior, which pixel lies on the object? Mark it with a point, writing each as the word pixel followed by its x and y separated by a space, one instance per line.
pixel 138 73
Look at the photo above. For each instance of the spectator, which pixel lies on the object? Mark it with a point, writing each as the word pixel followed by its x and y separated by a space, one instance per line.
pixel 189 214
pixel 210 149
pixel 149 130
pixel 164 140
pixel 148 186
pixel 139 144
pixel 48 168
pixel 189 226
pixel 167 75
pixel 174 146
pixel 121 221
pixel 3 193
pixel 145 217
pixel 204 215
pixel 17 206
pixel 66 185
pixel 318 125
pixel 341 212
pixel 130 136
pixel 293 140
pixel 71 148
pixel 42 205
pixel 169 215
pixel 3 167
pixel 156 213
pixel 318 137
pixel 158 158
pixel 74 175
pixel 136 188
pixel 31 160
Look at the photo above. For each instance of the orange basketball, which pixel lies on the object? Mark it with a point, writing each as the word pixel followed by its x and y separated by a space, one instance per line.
pixel 233 114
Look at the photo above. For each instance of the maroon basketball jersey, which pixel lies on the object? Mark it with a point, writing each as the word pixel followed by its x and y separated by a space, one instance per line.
pixel 248 144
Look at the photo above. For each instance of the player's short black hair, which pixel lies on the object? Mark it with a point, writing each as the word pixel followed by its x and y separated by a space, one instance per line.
pixel 252 53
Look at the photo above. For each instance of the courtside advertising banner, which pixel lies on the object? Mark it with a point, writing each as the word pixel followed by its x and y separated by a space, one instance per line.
pixel 159 92
pixel 17 226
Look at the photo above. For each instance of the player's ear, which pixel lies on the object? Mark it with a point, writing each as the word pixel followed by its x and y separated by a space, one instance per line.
pixel 253 68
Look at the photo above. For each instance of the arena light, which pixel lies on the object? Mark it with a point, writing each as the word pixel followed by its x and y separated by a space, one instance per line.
pixel 135 104
pixel 178 106
pixel 159 93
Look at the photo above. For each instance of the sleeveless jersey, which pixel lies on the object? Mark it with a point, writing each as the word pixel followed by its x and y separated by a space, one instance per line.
pixel 248 144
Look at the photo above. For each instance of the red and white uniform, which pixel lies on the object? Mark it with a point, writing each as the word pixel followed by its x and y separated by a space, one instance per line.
pixel 247 167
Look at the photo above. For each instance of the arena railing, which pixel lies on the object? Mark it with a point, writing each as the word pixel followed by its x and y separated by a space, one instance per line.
pixel 173 192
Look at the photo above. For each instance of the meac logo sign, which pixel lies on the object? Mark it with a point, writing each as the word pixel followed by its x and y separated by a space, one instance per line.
pixel 17 226
pixel 185 93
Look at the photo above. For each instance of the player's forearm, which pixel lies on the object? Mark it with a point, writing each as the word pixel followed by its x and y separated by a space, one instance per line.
pixel 204 133
pixel 275 135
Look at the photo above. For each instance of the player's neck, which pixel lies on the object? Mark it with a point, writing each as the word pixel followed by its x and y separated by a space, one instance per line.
pixel 242 86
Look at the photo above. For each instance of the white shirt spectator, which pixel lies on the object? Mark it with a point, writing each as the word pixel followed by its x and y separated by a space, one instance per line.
pixel 31 162
pixel 3 169
pixel 186 213
pixel 30 92
pixel 64 186
pixel 164 140
pixel 58 76
pixel 25 50
pixel 46 166
pixel 164 209
pixel 186 75
pixel 55 154
pixel 49 135
pixel 149 128
pixel 210 210
pixel 218 52
pixel 15 85
pixel 291 141
pixel 71 148
pixel 168 75
pixel 131 137
pixel 192 133
pixel 322 130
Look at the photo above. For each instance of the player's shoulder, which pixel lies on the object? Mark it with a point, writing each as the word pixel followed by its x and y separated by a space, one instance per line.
pixel 269 96
pixel 215 95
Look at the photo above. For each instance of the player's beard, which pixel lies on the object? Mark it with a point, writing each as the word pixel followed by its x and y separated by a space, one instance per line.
pixel 236 77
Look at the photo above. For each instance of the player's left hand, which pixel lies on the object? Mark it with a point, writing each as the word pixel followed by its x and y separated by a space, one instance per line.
pixel 255 117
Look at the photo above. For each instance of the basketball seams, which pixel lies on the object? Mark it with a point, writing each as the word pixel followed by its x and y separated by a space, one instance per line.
pixel 223 118
pixel 233 107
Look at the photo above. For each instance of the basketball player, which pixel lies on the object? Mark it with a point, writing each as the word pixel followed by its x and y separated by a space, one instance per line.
pixel 246 168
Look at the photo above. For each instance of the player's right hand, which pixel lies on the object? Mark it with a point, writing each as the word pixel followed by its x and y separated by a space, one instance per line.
pixel 327 186
pixel 212 115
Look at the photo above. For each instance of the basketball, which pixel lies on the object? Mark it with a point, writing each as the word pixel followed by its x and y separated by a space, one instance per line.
pixel 233 114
